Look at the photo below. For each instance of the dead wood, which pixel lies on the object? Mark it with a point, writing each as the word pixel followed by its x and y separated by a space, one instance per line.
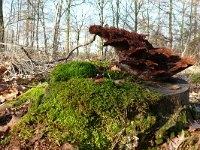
pixel 144 60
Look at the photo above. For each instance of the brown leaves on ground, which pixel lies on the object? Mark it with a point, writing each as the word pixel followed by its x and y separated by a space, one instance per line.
pixel 10 124
pixel 177 141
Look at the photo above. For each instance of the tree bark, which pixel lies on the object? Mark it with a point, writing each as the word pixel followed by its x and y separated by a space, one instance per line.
pixel 18 18
pixel 27 23
pixel 68 25
pixel 136 15
pixel 195 17
pixel 57 25
pixel 1 23
pixel 182 24
pixel 117 13
pixel 170 25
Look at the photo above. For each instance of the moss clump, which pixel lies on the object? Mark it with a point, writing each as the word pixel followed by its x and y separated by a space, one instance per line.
pixel 195 77
pixel 64 72
pixel 79 111
pixel 116 75
pixel 34 94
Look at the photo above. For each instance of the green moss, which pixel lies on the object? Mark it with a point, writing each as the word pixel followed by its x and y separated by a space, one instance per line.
pixel 5 141
pixel 195 77
pixel 175 124
pixel 33 94
pixel 104 64
pixel 81 111
pixel 64 72
pixel 116 75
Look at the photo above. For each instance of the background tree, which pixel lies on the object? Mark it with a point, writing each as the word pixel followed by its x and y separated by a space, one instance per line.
pixel 1 23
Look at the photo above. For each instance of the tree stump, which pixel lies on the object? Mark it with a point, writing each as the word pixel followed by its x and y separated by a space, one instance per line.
pixel 174 94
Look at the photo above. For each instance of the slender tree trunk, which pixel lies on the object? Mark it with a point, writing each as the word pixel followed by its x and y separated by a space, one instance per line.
pixel 27 23
pixel 1 24
pixel 33 28
pixel 57 25
pixel 37 25
pixel 113 14
pixel 182 24
pixel 136 15
pixel 148 19
pixel 170 25
pixel 77 41
pixel 18 23
pixel 195 17
pixel 117 13
pixel 190 23
pixel 68 25
pixel 44 29
pixel 101 16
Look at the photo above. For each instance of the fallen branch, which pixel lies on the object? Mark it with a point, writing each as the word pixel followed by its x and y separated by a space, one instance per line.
pixel 71 52
pixel 27 54
pixel 51 62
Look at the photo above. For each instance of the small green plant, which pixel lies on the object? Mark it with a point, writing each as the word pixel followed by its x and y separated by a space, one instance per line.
pixel 64 72
pixel 195 77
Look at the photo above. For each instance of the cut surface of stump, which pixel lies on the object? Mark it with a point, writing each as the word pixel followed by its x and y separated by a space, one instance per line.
pixel 174 94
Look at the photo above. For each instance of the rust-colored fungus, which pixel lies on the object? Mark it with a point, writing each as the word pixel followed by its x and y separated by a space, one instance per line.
pixel 144 60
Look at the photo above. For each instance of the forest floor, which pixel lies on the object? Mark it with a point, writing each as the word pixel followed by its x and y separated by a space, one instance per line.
pixel 11 88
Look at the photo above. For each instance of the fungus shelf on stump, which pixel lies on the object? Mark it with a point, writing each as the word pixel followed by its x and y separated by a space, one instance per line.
pixel 143 59
pixel 139 57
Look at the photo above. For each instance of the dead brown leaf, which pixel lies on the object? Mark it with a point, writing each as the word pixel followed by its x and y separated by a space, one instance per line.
pixel 115 68
pixel 2 69
pixel 10 93
pixel 10 124
pixel 119 81
pixel 194 126
pixel 100 80
pixel 13 121
pixel 67 146
pixel 176 142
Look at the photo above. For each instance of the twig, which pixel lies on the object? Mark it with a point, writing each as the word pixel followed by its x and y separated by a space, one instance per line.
pixel 29 57
pixel 71 52
pixel 118 136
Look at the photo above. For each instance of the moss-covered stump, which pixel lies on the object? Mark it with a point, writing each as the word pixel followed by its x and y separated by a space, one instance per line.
pixel 117 113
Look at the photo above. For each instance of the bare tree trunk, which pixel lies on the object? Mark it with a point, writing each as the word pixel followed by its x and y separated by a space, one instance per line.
pixel 33 27
pixel 195 17
pixel 1 23
pixel 44 29
pixel 18 23
pixel 136 15
pixel 77 41
pixel 190 23
pixel 101 4
pixel 113 14
pixel 57 25
pixel 37 23
pixel 27 23
pixel 148 19
pixel 117 13
pixel 68 25
pixel 182 24
pixel 170 25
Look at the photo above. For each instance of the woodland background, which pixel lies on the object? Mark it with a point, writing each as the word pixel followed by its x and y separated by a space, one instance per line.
pixel 48 29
